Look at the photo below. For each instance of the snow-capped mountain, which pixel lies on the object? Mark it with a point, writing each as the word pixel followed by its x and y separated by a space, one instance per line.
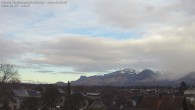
pixel 130 77
pixel 124 77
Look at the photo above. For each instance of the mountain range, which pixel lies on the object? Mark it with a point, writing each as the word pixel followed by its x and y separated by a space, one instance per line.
pixel 130 77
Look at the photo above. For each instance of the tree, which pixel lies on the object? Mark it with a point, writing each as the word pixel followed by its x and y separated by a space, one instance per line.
pixel 73 102
pixel 8 73
pixel 50 97
pixel 68 88
pixel 182 87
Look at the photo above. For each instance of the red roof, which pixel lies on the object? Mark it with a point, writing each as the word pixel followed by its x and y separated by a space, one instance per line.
pixel 150 102
pixel 164 103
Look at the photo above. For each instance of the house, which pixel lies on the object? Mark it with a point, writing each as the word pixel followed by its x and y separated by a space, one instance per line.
pixel 189 92
pixel 97 105
pixel 19 95
pixel 23 93
pixel 33 93
pixel 93 96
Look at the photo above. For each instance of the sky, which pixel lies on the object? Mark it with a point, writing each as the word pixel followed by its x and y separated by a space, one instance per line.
pixel 62 41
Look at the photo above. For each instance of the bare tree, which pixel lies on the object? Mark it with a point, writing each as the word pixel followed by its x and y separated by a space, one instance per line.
pixel 8 73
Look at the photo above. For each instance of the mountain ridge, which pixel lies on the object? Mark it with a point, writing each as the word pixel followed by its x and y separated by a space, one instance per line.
pixel 130 77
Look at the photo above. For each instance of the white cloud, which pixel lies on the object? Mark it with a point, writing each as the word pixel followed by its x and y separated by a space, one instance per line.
pixel 54 35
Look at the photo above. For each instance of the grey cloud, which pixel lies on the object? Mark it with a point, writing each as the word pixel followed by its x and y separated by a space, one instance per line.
pixel 9 49
pixel 131 14
pixel 128 13
pixel 111 14
pixel 45 71
pixel 86 54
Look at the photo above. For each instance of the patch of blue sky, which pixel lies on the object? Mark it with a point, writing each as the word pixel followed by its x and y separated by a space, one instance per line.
pixel 45 16
pixel 22 61
pixel 41 18
pixel 9 35
pixel 157 2
pixel 58 69
pixel 103 33
pixel 119 35
pixel 32 55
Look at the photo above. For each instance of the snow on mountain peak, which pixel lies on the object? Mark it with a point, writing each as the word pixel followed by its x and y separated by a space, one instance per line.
pixel 127 70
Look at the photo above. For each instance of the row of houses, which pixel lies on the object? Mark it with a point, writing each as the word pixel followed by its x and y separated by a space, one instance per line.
pixel 150 102
pixel 111 101
pixel 153 101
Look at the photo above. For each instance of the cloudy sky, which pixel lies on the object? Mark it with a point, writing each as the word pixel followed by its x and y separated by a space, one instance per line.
pixel 61 42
